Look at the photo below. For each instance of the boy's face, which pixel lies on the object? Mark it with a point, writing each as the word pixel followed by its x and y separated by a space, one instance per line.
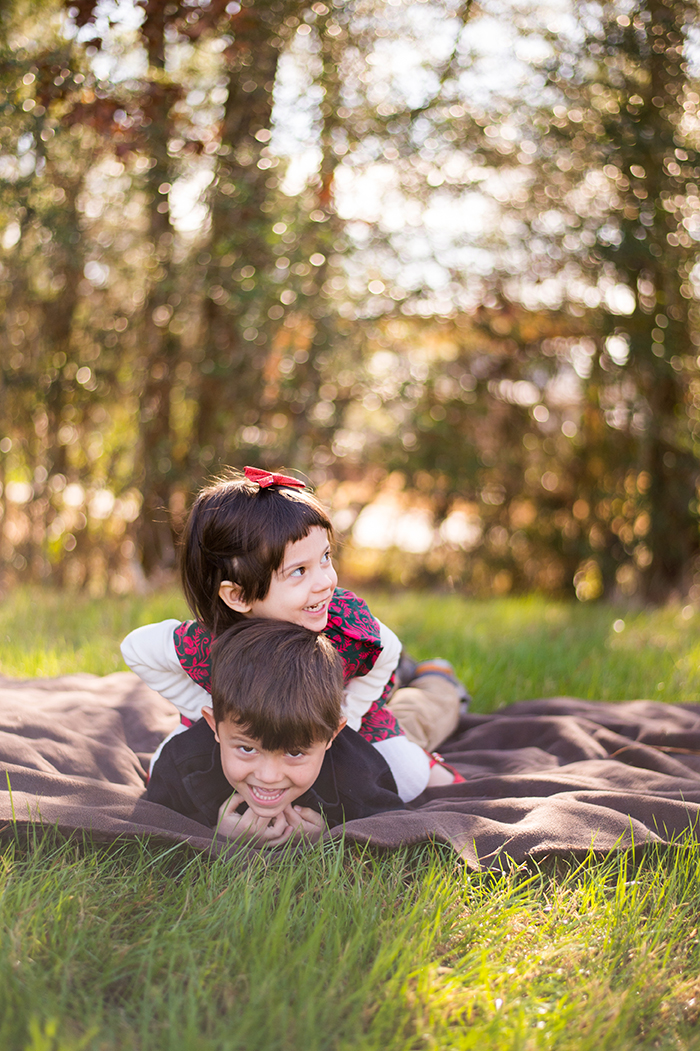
pixel 300 590
pixel 268 781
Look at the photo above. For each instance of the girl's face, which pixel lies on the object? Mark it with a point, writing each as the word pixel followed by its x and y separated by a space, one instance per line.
pixel 302 587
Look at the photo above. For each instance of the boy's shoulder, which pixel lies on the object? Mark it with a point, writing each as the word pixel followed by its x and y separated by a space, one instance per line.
pixel 355 781
pixel 188 776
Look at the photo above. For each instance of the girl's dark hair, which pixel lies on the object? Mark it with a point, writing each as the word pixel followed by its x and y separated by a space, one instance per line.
pixel 282 683
pixel 238 531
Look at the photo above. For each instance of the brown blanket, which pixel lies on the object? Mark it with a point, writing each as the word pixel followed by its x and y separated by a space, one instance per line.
pixel 544 778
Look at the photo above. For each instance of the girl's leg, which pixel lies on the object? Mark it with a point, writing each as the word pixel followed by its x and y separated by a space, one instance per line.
pixel 428 710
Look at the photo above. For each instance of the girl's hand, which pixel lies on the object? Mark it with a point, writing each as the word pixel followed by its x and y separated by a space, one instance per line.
pixel 305 823
pixel 250 827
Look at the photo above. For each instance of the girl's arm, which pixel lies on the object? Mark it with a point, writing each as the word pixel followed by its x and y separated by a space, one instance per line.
pixel 361 691
pixel 150 652
pixel 407 761
pixel 409 764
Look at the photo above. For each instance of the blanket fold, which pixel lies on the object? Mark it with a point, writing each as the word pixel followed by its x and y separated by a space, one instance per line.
pixel 551 777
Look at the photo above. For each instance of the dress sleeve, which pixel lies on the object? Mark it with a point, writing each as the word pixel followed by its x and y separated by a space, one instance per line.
pixel 150 652
pixel 362 690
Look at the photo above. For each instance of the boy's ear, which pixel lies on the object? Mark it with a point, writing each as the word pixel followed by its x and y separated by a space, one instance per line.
pixel 231 594
pixel 341 726
pixel 208 714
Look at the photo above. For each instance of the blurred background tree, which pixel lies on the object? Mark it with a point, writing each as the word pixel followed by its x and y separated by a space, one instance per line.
pixel 616 207
pixel 440 260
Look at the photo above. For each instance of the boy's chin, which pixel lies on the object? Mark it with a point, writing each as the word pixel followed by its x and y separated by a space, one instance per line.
pixel 267 811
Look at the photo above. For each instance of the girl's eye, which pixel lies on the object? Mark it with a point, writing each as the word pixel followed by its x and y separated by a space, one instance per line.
pixel 327 557
pixel 298 572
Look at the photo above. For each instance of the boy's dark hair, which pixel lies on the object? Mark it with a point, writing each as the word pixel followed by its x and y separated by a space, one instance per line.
pixel 238 531
pixel 281 682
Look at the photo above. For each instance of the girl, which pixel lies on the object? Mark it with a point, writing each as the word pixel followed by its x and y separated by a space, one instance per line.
pixel 259 546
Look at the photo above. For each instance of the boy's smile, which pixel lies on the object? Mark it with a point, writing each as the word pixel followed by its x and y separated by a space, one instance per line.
pixel 267 781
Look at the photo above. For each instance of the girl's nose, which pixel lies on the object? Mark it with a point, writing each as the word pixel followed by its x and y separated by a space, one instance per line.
pixel 325 576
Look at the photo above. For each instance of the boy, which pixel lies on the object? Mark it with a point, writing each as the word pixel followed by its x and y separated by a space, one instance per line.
pixel 275 735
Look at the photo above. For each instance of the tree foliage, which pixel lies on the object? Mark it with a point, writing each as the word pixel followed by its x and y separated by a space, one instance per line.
pixel 324 235
pixel 598 170
pixel 624 142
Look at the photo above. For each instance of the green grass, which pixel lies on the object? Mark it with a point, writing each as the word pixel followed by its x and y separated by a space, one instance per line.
pixel 129 947
pixel 45 632
pixel 505 650
pixel 137 947
pixel 515 649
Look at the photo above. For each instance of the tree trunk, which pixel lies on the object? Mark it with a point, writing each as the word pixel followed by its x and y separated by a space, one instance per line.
pixel 161 347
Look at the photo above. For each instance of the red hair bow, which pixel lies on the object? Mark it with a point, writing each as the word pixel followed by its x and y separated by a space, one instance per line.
pixel 265 479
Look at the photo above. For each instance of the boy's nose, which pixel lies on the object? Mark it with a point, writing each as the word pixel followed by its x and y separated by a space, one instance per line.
pixel 268 771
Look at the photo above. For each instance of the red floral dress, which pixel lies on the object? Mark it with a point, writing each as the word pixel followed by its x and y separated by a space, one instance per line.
pixel 355 634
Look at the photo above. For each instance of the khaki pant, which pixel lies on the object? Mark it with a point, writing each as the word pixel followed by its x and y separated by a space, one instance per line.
pixel 427 710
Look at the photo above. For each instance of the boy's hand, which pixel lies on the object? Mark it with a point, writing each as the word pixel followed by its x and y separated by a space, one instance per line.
pixel 305 823
pixel 251 828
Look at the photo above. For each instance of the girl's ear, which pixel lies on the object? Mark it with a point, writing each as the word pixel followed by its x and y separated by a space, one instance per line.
pixel 231 595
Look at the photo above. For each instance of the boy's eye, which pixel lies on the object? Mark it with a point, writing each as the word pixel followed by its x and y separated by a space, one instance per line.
pixel 295 755
pixel 247 749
